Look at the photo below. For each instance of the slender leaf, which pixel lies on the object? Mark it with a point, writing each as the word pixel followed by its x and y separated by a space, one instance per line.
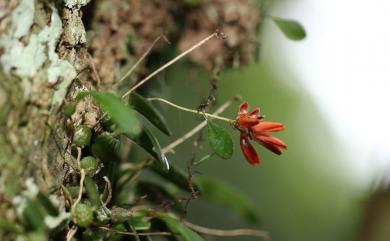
pixel 32 215
pixel 175 175
pixel 140 224
pixel 130 228
pixel 145 108
pixel 93 234
pixel 290 28
pixel 123 115
pixel 10 226
pixel 220 141
pixel 147 238
pixel 45 202
pixel 92 191
pixel 106 147
pixel 149 143
pixel 158 194
pixel 176 226
pixel 222 193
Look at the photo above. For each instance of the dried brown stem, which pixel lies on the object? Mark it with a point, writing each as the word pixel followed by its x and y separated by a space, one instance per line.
pixel 78 157
pixel 215 34
pixel 71 233
pixel 109 190
pixel 137 234
pixel 81 188
pixel 228 233
pixel 142 58
pixel 98 80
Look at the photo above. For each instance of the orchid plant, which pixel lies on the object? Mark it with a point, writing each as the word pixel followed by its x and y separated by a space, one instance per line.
pixel 99 176
pixel 251 125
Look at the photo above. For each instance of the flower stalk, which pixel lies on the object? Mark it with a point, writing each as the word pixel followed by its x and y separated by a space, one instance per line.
pixel 192 110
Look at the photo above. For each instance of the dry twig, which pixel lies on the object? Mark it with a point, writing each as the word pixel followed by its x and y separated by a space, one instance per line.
pixel 139 234
pixel 227 233
pixel 169 63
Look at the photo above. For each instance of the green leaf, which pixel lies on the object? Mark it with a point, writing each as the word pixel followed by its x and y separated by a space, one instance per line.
pixel 222 193
pixel 93 234
pixel 106 147
pixel 46 203
pixel 10 226
pixel 157 194
pixel 192 3
pixel 32 215
pixel 145 108
pixel 92 191
pixel 123 115
pixel 175 175
pixel 290 28
pixel 140 224
pixel 177 227
pixel 37 236
pixel 220 141
pixel 150 144
pixel 131 228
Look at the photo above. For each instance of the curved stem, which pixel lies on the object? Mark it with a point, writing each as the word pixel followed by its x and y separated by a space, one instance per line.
pixel 227 233
pixel 203 41
pixel 81 188
pixel 142 58
pixel 139 234
pixel 192 111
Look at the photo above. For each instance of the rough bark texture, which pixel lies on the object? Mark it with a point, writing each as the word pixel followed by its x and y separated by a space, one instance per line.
pixel 44 60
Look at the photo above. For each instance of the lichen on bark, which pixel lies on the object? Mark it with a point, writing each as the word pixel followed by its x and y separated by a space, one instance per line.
pixel 34 80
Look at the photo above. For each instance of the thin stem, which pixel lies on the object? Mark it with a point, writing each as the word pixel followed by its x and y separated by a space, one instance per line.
pixel 109 190
pixel 66 194
pixel 191 110
pixel 98 80
pixel 78 157
pixel 194 130
pixel 203 159
pixel 142 58
pixel 139 234
pixel 71 233
pixel 215 34
pixel 81 188
pixel 132 177
pixel 227 233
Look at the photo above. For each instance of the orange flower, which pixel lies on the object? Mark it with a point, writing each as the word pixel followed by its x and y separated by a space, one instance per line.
pixel 253 127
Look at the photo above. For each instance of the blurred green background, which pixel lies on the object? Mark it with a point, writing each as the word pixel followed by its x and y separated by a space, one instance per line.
pixel 302 194
pixel 310 192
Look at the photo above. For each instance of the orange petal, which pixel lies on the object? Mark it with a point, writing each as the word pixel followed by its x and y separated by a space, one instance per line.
pixel 255 112
pixel 244 107
pixel 265 126
pixel 273 141
pixel 275 149
pixel 246 121
pixel 248 150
